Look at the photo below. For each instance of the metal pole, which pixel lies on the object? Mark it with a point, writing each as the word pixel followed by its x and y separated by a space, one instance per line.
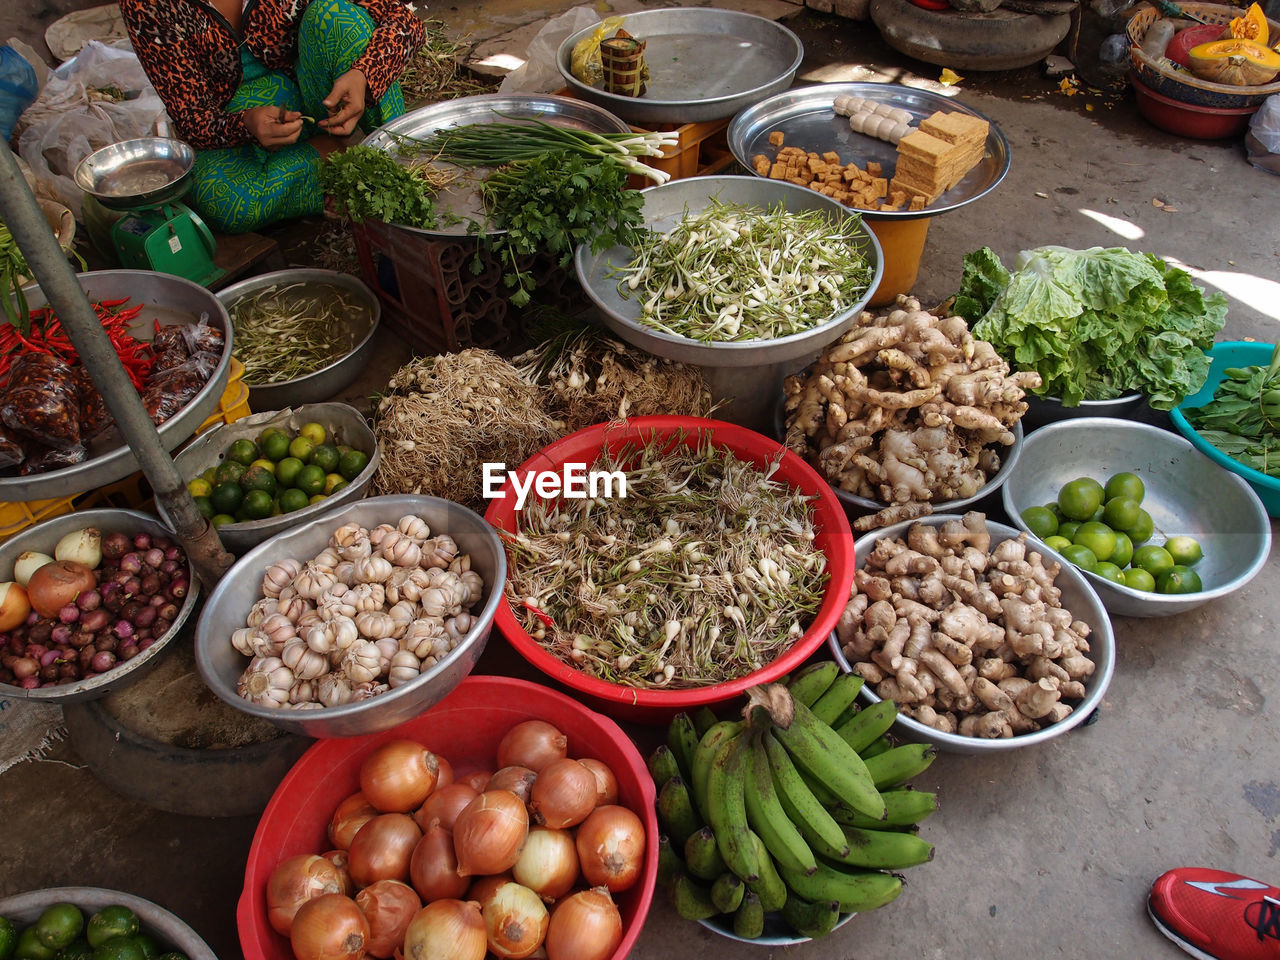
pixel 62 289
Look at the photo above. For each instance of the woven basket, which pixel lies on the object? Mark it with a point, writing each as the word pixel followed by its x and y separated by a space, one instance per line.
pixel 1164 77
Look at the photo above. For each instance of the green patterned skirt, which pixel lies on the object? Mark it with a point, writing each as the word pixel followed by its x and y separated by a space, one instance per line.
pixel 237 189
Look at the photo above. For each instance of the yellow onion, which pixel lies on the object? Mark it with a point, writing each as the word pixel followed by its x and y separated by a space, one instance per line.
pixel 382 848
pixel 483 888
pixel 606 781
pixel 478 780
pixel 563 794
pixel 388 905
pixel 351 814
pixel 293 882
pixel 548 863
pixel 515 921
pixel 14 605
pixel 519 780
pixel 610 846
pixel 340 860
pixel 433 868
pixel 445 775
pixel 488 834
pixel 398 775
pixel 445 804
pixel 532 744
pixel 446 928
pixel 330 927
pixel 584 926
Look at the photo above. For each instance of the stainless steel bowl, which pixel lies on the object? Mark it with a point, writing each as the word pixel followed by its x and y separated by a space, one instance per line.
pixel 328 381
pixel 342 422
pixel 168 929
pixel 133 174
pixel 1043 410
pixel 169 300
pixel 1078 596
pixel 43 538
pixel 220 664
pixel 1187 493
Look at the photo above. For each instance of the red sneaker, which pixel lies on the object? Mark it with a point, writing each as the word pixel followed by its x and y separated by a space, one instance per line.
pixel 1216 915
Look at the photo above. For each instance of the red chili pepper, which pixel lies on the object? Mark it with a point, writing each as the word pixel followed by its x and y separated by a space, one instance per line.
pixel 546 620
pixel 112 303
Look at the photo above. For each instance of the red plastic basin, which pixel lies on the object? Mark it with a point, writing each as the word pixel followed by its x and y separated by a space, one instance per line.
pixel 834 539
pixel 465 728
pixel 1184 119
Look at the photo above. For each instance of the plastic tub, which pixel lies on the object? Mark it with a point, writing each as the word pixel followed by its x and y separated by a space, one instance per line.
pixel 465 728
pixel 834 538
pixel 1236 353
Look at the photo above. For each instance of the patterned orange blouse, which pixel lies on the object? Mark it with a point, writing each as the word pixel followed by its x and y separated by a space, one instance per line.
pixel 192 56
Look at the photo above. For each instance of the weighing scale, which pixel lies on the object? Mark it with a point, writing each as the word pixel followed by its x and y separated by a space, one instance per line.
pixel 146 179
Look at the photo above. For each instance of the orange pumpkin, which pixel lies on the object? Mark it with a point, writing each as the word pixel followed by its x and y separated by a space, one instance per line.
pixel 1241 63
pixel 1252 26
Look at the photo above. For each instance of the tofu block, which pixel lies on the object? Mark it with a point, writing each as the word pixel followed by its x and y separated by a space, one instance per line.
pixel 776 138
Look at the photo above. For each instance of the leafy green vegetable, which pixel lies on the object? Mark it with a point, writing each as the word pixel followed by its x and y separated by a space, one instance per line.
pixel 550 203
pixel 1094 323
pixel 1243 418
pixel 369 184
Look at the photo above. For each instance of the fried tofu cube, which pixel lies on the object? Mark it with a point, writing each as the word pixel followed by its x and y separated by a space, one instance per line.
pixel 776 138
pixel 778 171
pixel 881 186
pixel 917 203
pixel 762 165
pixel 874 168
pixel 831 157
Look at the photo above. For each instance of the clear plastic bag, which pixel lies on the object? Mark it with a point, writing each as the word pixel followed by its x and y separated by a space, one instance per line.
pixel 1262 142
pixel 539 73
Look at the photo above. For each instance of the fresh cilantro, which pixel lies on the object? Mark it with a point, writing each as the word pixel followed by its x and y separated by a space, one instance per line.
pixel 368 184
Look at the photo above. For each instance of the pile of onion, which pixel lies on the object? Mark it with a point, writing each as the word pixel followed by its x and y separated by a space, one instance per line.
pixel 518 859
pixel 97 601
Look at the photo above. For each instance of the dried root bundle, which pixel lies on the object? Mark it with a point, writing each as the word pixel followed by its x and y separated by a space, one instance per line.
pixel 444 416
pixel 590 378
pixel 964 636
pixel 907 408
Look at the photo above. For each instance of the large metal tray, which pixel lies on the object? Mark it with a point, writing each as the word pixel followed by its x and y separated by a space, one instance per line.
pixel 704 64
pixel 806 117
pixel 460 198
pixel 665 206
pixel 170 300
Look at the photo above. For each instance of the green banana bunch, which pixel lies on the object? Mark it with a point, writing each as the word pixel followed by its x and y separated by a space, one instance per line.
pixel 798 809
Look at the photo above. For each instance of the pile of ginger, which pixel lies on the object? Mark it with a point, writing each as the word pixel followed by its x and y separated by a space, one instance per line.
pixel 964 637
pixel 907 408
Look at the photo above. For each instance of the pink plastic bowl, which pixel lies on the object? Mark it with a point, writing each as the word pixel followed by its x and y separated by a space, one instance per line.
pixel 465 728
pixel 834 539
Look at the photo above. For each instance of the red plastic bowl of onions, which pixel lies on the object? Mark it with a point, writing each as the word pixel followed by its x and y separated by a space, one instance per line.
pixel 507 821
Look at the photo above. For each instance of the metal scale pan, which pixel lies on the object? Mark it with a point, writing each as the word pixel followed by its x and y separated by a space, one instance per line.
pixel 137 174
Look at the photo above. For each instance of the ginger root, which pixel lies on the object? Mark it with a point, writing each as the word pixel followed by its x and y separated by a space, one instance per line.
pixel 906 408
pixel 965 635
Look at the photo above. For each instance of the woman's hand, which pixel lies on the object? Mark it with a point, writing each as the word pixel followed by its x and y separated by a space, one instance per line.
pixel 345 104
pixel 273 127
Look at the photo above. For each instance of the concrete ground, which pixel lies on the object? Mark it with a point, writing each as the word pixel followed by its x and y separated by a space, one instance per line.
pixel 1046 852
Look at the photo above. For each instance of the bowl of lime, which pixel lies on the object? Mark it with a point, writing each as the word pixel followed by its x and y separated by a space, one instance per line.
pixel 1125 503
pixel 270 471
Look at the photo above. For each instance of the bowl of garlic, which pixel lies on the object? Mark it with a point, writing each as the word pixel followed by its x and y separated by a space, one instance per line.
pixel 357 621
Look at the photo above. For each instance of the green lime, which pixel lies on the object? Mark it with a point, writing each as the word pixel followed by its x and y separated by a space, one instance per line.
pixel 1069 529
pixel 29 947
pixel 112 921
pixel 1080 555
pixel 1179 580
pixel 1153 559
pixel 1040 521
pixel 275 446
pixel 1138 579
pixel 199 487
pixel 1098 537
pixel 316 498
pixel 1109 571
pixel 352 464
pixel 1185 550
pixel 222 519
pixel 8 938
pixel 172 955
pixel 326 457
pixel 1057 542
pixel 229 471
pixel 210 475
pixel 257 505
pixel 1079 499
pixel 1052 507
pixel 314 432
pixel 59 924
pixel 292 499
pixel 1121 513
pixel 120 948
pixel 149 945
pixel 310 480
pixel 341 484
pixel 205 506
pixel 79 949
pixel 243 451
pixel 264 463
pixel 332 482
pixel 301 448
pixel 259 478
pixel 1141 531
pixel 1127 485
pixel 271 432
pixel 226 498
pixel 287 471
pixel 1123 552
